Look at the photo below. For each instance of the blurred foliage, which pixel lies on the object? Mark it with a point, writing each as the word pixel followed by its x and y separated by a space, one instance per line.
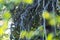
pixel 5 37
pixel 9 3
pixel 39 30
pixel 31 34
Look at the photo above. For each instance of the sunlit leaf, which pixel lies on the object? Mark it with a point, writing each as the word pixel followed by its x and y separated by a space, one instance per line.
pixel 17 2
pixel 28 1
pixel 58 19
pixel 30 34
pixel 41 28
pixel 50 36
pixel 6 15
pixel 3 28
pixel 1 1
pixel 52 22
pixel 46 15
pixel 1 32
pixel 23 34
